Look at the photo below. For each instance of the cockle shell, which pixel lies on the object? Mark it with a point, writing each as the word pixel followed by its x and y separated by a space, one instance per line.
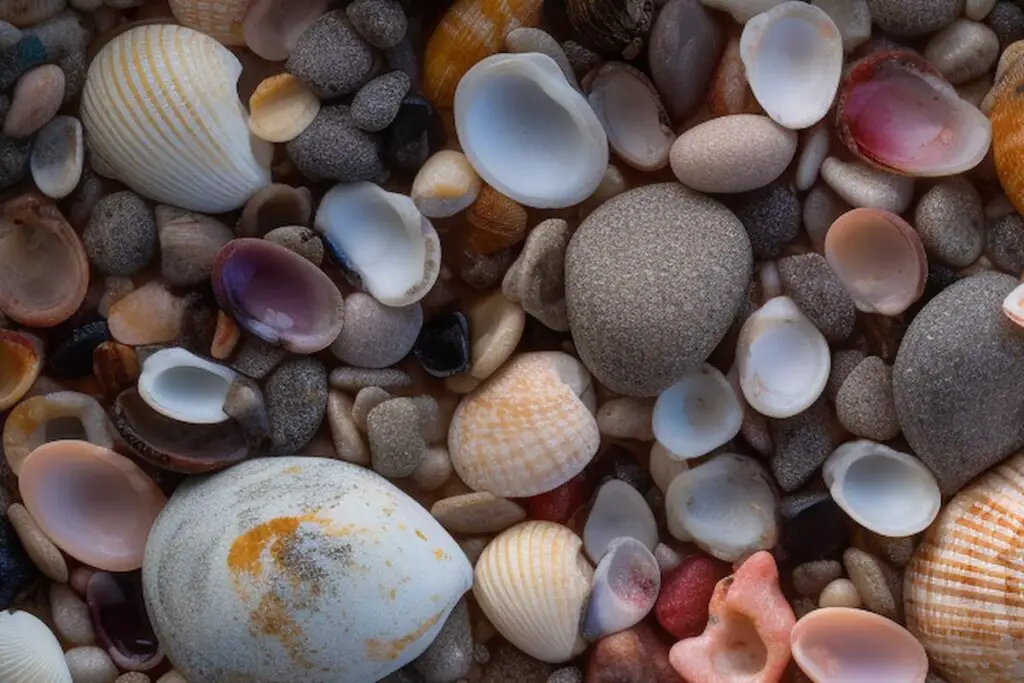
pixel 697 414
pixel 172 127
pixel 29 652
pixel 528 133
pixel 468 32
pixel 962 593
pixel 532 582
pixel 21 359
pixel 219 19
pixel 526 429
pixel 52 417
pixel 185 387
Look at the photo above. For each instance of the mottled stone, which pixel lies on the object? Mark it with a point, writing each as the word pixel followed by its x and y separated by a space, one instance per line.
pixel 864 404
pixel 814 286
pixel 296 399
pixel 331 57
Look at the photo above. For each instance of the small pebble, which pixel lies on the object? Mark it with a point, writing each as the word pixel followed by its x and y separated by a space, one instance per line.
pixel 58 157
pixel 813 151
pixel 377 103
pixel 121 236
pixel 979 9
pixel 36 99
pixel 569 674
pixel 189 243
pixel 79 580
pixel 331 57
pixel 683 50
pixel 302 241
pixel 879 585
pixel 90 665
pixel 434 470
pixel 449 656
pixel 332 148
pixel 396 445
pixel 10 35
pixel 147 315
pixel 630 656
pixel 275 206
pixel 627 418
pixel 43 553
pixel 527 39
pixel 348 442
pixel 354 379
pixel 403 57
pixel 474 548
pixel 821 208
pixel 496 325
pixel 132 677
pixel 172 677
pixel 256 358
pixel 14 160
pixel 509 664
pixel 802 443
pixel 863 186
pixel 840 593
pixel 682 606
pixel 1007 21
pixel 814 286
pixel 74 66
pixel 963 51
pixel 536 280
pixel 296 400
pixel 71 619
pixel 770 215
pixel 366 400
pixel 433 426
pixel 375 335
pixel 381 23
pixel 446 185
pixel 843 363
pixel 803 606
pixel 864 404
pixel 619 511
pixel 1005 246
pixel 910 18
pixel 810 578
pixel 477 513
pixel 442 346
pixel 582 59
pixel 664 467
pixel 896 551
pixel 950 220
pixel 852 18
pixel 481 271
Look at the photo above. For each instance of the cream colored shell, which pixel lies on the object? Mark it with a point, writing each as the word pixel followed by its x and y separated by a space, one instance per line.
pixel 29 652
pixel 526 430
pixel 219 19
pixel 161 110
pixel 532 582
pixel 963 594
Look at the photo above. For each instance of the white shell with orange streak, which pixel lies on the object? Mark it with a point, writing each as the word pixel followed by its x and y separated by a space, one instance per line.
pixel 532 582
pixel 219 19
pixel 964 593
pixel 1013 305
pixel 527 429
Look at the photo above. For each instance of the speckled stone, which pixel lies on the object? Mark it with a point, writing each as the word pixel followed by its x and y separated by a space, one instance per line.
pixel 907 18
pixel 40 549
pixel 840 593
pixel 896 551
pixel 569 674
pixel 36 99
pixel 957 379
pixel 1007 21
pixel 802 443
pixel 132 677
pixel 449 657
pixel 348 442
pixel 864 186
pixel 354 379
pixel 120 237
pixel 374 335
pixel 296 397
pixel 433 426
pixel 951 221
pixel 74 67
pixel 396 443
pixel 865 405
pixel 90 664
pixel 509 664
pixel 189 243
pixel 14 156
pixel 332 148
pixel 810 578
pixel 963 51
pixel 71 619
pixel 256 358
pixel 537 278
pixel 377 103
pixel 381 23
pixel 813 285
pixel 645 310
pixel 683 51
pixel 331 57
pixel 1005 245
pixel 879 585
pixel 770 215
pixel 843 363
pixel 529 39
pixel 302 241
pixel 822 206
pixel 366 400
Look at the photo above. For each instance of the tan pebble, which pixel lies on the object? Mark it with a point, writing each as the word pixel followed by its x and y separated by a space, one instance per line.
pixel 366 400
pixel 474 547
pixel 879 585
pixel 433 426
pixel 37 98
pixel 537 278
pixel 225 337
pixel 862 186
pixel 435 469
pixel 79 579
pixel 963 50
pixel 664 466
pixel 90 665
pixel 302 241
pixel 477 513
pixel 115 367
pixel 172 677
pixel 349 444
pixel 495 328
pixel 445 185
pixel 149 315
pixel 115 288
pixel 613 183
pixel 132 677
pixel 627 418
pixel 41 550
pixel 71 619
pixel 840 593
pixel 461 383
pixel 281 108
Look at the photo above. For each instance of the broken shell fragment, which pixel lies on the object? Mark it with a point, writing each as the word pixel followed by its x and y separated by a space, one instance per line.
pixel 281 108
pixel 53 417
pixel 626 585
pixel 181 385
pixel 611 26
pixel 118 611
pixel 271 28
pixel 697 414
pixel 21 359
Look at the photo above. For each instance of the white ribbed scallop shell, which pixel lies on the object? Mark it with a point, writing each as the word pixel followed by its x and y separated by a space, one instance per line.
pixel 29 652
pixel 219 19
pixel 964 594
pixel 161 109
pixel 532 582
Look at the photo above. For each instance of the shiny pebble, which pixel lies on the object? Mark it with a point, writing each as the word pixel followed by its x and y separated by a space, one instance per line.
pixel 864 187
pixel 37 98
pixel 442 347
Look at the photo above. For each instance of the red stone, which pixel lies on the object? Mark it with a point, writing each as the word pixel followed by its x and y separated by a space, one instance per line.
pixel 682 606
pixel 636 655
pixel 559 504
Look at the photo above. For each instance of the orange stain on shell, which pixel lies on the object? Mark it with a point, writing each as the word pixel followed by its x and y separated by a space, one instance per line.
pixel 390 650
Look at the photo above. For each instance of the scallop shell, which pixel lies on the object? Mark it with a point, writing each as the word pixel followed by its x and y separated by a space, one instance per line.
pixel 52 417
pixel 962 592
pixel 697 414
pixel 528 133
pixel 532 582
pixel 525 430
pixel 219 19
pixel 21 360
pixel 793 56
pixel 468 32
pixel 172 127
pixel 29 652
pixel 184 387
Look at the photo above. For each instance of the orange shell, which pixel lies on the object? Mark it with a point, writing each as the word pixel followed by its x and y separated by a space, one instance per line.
pixel 470 31
pixel 1007 139
pixel 495 222
pixel 219 19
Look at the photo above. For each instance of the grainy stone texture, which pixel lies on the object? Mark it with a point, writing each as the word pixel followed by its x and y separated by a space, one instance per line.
pixel 864 404
pixel 296 398
pixel 879 585
pixel 331 57
pixel 1007 20
pixel 381 23
pixel 810 578
pixel 843 363
pixel 1006 244
pixel 813 285
pixel 802 443
pixel 770 215
pixel 376 104
pixel 90 665
pixel 70 616
pixel 536 280
pixel 302 241
pixel 907 18
pixel 449 657
pixel 256 357
pixel 121 236
pixel 354 379
pixel 333 148
pixel 43 553
pixel 396 444
pixel 375 335
pixel 951 222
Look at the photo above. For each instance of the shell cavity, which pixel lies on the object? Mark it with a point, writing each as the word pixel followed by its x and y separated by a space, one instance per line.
pixel 185 387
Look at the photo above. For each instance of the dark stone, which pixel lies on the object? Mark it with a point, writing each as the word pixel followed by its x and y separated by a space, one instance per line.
pixel 442 347
pixel 1005 245
pixel 1007 21
pixel 619 463
pixel 14 156
pixel 813 528
pixel 16 569
pixel 71 353
pixel 771 215
pixel 414 135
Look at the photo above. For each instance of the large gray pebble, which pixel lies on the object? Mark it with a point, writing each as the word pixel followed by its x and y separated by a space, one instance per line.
pixel 906 18
pixel 950 220
pixel 814 286
pixel 376 104
pixel 296 398
pixel 331 57
pixel 381 23
pixel 333 148
pixel 770 215
pixel 121 236
pixel 683 52
pixel 963 51
pixel 864 404
pixel 375 335
pixel 1007 20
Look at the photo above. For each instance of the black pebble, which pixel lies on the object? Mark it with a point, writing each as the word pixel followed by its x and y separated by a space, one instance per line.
pixel 71 355
pixel 16 569
pixel 443 345
pixel 414 135
pixel 619 463
pixel 813 528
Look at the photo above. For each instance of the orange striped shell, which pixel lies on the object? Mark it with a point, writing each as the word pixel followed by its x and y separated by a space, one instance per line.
pixel 219 19
pixel 964 594
pixel 1007 117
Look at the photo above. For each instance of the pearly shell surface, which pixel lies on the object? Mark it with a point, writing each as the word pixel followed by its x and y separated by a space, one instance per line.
pixel 29 652
pixel 532 582
pixel 172 128
pixel 219 19
pixel 318 547
pixel 697 414
pixel 179 384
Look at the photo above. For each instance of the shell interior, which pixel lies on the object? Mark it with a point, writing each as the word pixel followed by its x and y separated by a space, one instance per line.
pixel 29 652
pixel 626 584
pixel 57 416
pixel 633 117
pixel 118 611
pixel 185 387
pixel 697 414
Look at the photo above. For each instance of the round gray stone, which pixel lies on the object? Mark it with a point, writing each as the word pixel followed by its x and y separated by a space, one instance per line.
pixel 333 148
pixel 120 237
pixel 375 335
pixel 331 57
pixel 770 215
pixel 1006 244
pixel 376 104
pixel 907 18
pixel 951 221
pixel 864 404
pixel 296 398
pixel 381 23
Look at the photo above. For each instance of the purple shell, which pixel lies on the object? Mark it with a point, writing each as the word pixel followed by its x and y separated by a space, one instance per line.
pixel 277 295
pixel 118 613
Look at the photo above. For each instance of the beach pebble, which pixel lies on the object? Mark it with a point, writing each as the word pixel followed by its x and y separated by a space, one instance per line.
pixel 58 157
pixel 528 39
pixel 133 677
pixel 355 379
pixel 31 12
pixel 189 243
pixel 90 664
pixel 477 513
pixel 296 396
pixel 810 578
pixel 1007 21
pixel 449 656
pixel 375 335
pixel 559 504
pixel 376 104
pixel 682 606
pixel 366 400
pixel 442 347
pixel 963 51
pixel 301 240
pixel 896 551
pixel 10 34
pixel 36 99
pixel 381 23
pixel 626 418
pixel 121 236
pixel 348 442
pixel 770 215
pixel 840 593
pixel 74 66
pixel 742 10
pixel 256 358
pixel 445 185
pixel 950 220
pixel 434 470
pixel 864 404
pixel 682 52
pixel 396 444
pixel 852 18
pixel 619 658
pixel 14 160
pixel 619 511
pixel 40 549
pixel 509 663
pixel 172 677
pixel 813 285
pixel 71 619
pixel 865 187
pixel 734 153
pixel 802 443
pixel 433 424
pixel 333 148
pixel 569 674
pixel 910 18
pixel 331 57
pixel 821 208
pixel 979 9
pixel 879 586
pixel 843 363
pixel 495 328
pixel 813 151
pixel 536 279
pixel 147 315
pixel 664 467
pixel 1005 244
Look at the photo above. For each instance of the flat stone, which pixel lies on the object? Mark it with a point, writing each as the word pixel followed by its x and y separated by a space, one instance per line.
pixel 354 379
pixel 1005 246
pixel 477 513
pixel 366 400
pixel 90 664
pixel 963 50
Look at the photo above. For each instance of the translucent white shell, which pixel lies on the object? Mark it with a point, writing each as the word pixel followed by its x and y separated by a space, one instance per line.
pixel 29 652
pixel 219 19
pixel 626 585
pixel 185 387
pixel 888 492
pixel 532 583
pixel 172 127
pixel 697 414
pixel 528 133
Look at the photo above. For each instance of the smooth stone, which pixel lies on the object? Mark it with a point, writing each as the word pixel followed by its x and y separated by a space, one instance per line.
pixel 536 280
pixel 477 513
pixel 852 18
pixel 528 39
pixel 58 157
pixel 375 335
pixel 664 466
pixel 71 620
pixel 377 103
pixel 450 656
pixel 381 23
pixel 1005 244
pixel 37 97
pixel 813 526
pixel 963 51
pixel 296 398
pixel 821 208
pixel 172 677
pixel 569 674
pixel 816 142
pixel 366 400
pixel 75 68
pixel 862 186
pixel 951 222
pixel 626 418
pixel 348 442
pixel 10 34
pixel 911 18
pixel 814 286
pixel 619 511
pixel 90 664
pixel 333 148
pixel 979 9
pixel 495 327
pixel 810 578
pixel 682 53
pixel 396 443
pixel 509 663
pixel 840 593
pixel 770 215
pixel 121 236
pixel 627 581
pixel 434 471
pixel 802 443
pixel 1007 21
pixel 682 606
pixel 257 358
pixel 354 379
pixel 742 10
pixel 299 239
pixel 879 586
pixel 331 57
pixel 636 655
pixel 17 571
pixel 843 363
pixel 189 243
pixel 442 346
pixel 864 404
pixel 40 549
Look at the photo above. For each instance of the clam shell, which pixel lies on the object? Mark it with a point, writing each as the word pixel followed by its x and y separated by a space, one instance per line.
pixel 281 108
pixel 525 430
pixel 883 490
pixel 793 56
pixel 962 592
pixel 53 417
pixel 94 504
pixel 219 19
pixel 697 414
pixel 784 361
pixel 184 387
pixel 29 652
pixel 844 645
pixel 58 157
pixel 21 359
pixel 172 127
pixel 528 133
pixel 532 583
pixel 383 239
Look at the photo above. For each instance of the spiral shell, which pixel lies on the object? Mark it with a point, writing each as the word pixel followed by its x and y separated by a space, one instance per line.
pixel 219 19
pixel 963 587
pixel 29 652
pixel 172 127
pixel 532 582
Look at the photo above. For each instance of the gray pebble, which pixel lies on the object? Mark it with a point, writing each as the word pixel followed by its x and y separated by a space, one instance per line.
pixel 10 35
pixel 256 358
pixel 802 443
pixel 537 278
pixel 331 57
pixel 770 215
pixel 332 148
pixel 865 405
pixel 403 57
pixel 569 674
pixel 852 18
pixel 296 398
pixel 963 51
pixel 302 241
pixel 683 52
pixel 450 656
pixel 843 363
pixel 90 665
pixel 1007 21
pixel 61 35
pixel 74 66
pixel 396 443
pixel 950 220
pixel 528 39
pixel 822 206
pixel 189 244
pixel 810 578
pixel 71 619
pixel 375 335
pixel 906 18
pixel 354 379
pixel 132 677
pixel 582 59
pixel 376 104
pixel 864 186
pixel 120 237
pixel 879 585
pixel 509 664
pixel 1005 245
pixel 812 284
pixel 381 23
pixel 366 400
pixel 482 271
pixel 14 156
pixel 896 551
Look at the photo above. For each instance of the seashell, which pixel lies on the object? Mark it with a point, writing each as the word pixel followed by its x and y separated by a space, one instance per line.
pixel 793 56
pixel 175 132
pixel 277 295
pixel 730 92
pixel 626 585
pixel 53 417
pixel 742 10
pixel 281 108
pixel 272 28
pixel 496 222
pixel 147 315
pixel 275 206
pixel 783 359
pixel 1005 114
pixel 468 32
pixel 844 645
pixel 445 185
pixel 532 583
pixel 726 505
pixel 525 430
pixel 36 242
pixel 883 490
pixel 58 157
pixel 72 349
pixel 634 119
pixel 528 133
pixel 225 337
pixel 221 19
pixel 619 511
pixel 697 414
pixel 184 387
pixel 29 652
pixel 21 360
pixel 897 113
pixel 611 26
pixel 1013 305
pixel 879 258
pixel 383 239
pixel 118 611
pixel 61 482
pixel 962 590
